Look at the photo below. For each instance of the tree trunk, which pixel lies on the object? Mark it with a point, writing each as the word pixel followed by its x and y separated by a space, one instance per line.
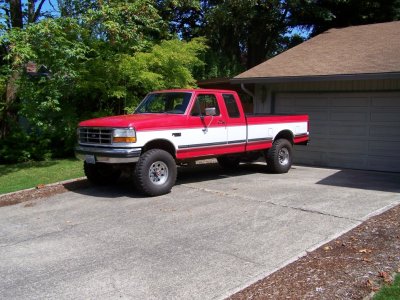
pixel 9 115
pixel 16 13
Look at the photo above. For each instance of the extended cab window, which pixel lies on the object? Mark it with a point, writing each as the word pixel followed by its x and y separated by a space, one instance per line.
pixel 231 106
pixel 202 102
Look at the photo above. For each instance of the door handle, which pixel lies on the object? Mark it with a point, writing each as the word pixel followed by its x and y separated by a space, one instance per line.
pixel 220 122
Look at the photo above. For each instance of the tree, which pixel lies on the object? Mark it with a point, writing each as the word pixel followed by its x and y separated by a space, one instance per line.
pixel 13 16
pixel 249 31
pixel 321 15
pixel 99 61
pixel 185 18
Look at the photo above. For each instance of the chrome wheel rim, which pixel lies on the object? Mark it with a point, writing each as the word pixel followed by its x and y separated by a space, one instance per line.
pixel 158 173
pixel 283 156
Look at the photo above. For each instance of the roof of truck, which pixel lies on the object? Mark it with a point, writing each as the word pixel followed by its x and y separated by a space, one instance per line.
pixel 195 90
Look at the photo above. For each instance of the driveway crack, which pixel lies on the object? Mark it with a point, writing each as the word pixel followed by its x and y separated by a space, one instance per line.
pixel 223 193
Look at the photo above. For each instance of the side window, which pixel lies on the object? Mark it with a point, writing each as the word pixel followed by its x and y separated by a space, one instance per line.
pixel 231 106
pixel 202 102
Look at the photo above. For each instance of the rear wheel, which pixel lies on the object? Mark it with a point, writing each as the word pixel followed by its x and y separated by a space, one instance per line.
pixel 101 174
pixel 228 162
pixel 279 156
pixel 155 172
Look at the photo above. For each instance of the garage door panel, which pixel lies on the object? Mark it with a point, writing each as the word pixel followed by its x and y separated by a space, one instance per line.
pixel 350 130
pixel 386 149
pixel 318 129
pixel 315 115
pixel 350 102
pixel 386 102
pixel 349 116
pixel 309 102
pixel 347 131
pixel 380 163
pixel 313 102
pixel 355 161
pixel 388 132
pixel 308 157
pixel 339 145
pixel 385 116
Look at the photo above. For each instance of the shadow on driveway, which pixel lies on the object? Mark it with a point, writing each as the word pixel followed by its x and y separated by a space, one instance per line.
pixel 193 174
pixel 366 180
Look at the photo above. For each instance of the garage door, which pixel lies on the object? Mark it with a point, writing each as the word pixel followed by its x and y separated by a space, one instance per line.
pixel 348 130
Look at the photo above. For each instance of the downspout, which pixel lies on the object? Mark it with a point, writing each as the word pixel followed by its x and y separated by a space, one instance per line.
pixel 250 94
pixel 247 91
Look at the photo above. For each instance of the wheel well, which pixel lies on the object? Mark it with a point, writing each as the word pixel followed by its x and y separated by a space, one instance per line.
pixel 285 134
pixel 160 144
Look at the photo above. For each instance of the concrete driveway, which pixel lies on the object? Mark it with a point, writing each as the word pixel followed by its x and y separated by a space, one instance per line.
pixel 216 233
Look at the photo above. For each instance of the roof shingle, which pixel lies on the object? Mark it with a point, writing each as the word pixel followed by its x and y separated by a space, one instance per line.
pixel 366 49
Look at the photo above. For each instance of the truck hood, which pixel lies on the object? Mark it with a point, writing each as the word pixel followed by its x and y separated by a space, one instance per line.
pixel 137 121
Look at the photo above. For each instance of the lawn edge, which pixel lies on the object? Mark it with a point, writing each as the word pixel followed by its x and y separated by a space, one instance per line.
pixel 17 197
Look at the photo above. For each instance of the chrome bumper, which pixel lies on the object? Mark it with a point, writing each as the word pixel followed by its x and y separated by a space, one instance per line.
pixel 109 155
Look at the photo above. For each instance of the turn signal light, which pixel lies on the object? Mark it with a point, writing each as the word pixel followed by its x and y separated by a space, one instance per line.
pixel 124 140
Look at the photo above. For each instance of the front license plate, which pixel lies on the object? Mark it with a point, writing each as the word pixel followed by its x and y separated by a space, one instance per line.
pixel 90 159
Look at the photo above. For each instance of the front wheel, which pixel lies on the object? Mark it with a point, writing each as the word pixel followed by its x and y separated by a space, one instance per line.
pixel 155 172
pixel 279 156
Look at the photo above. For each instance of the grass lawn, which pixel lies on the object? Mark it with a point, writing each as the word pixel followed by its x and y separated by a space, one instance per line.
pixel 391 292
pixel 27 175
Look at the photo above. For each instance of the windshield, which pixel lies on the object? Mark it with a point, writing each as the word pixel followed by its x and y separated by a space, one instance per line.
pixel 172 103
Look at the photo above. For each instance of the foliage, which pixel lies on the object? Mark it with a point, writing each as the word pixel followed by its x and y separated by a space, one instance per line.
pixel 391 292
pixel 97 62
pixel 31 174
pixel 244 33
pixel 321 15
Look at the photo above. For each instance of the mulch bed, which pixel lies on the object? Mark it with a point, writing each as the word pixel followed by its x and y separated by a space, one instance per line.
pixel 352 266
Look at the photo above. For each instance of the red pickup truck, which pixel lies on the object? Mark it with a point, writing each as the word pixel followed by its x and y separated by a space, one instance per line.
pixel 178 126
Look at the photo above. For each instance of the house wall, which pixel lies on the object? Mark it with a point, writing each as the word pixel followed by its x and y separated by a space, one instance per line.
pixel 265 93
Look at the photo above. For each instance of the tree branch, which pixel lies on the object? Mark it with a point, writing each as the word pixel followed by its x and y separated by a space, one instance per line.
pixel 38 11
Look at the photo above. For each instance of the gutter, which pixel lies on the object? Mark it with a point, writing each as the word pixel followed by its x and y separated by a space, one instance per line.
pixel 316 78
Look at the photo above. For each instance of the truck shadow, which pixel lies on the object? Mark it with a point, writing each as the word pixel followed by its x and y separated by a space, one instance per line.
pixel 191 174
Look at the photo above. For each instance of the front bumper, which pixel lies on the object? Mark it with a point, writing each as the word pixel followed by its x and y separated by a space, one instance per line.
pixel 108 155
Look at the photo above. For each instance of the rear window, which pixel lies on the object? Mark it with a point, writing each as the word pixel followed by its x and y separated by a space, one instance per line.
pixel 231 106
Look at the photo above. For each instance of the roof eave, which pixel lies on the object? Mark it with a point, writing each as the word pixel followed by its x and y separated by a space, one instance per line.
pixel 317 78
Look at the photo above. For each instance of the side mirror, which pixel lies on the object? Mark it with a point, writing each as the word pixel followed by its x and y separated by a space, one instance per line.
pixel 211 111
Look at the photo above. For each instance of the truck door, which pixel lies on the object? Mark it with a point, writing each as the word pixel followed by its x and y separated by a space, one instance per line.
pixel 206 134
pixel 235 123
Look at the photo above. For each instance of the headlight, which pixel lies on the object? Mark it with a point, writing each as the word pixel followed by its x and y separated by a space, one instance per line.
pixel 124 136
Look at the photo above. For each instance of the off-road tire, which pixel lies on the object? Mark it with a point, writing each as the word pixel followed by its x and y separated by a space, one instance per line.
pixel 155 173
pixel 228 162
pixel 279 156
pixel 101 174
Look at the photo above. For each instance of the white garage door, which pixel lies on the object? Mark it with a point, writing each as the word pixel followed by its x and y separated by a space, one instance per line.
pixel 349 130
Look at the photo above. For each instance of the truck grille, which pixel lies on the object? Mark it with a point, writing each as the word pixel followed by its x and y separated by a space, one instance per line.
pixel 90 135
